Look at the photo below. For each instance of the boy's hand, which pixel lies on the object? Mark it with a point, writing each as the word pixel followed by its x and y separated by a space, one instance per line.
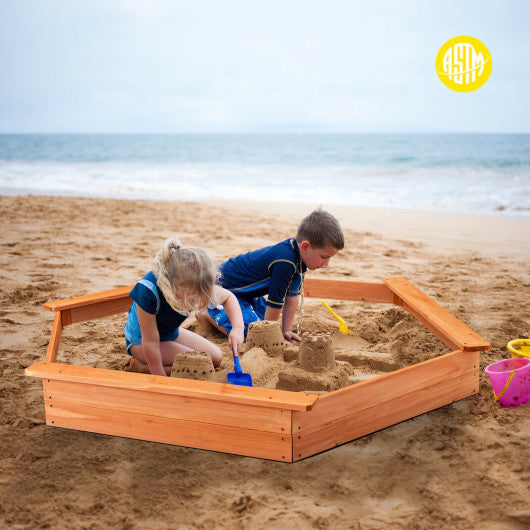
pixel 291 335
pixel 236 339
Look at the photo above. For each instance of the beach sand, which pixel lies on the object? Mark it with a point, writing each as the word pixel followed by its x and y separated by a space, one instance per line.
pixel 464 465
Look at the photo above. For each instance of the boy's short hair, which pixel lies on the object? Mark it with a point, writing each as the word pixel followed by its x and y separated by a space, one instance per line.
pixel 321 229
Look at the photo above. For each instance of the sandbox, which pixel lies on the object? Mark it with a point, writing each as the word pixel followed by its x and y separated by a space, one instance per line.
pixel 260 422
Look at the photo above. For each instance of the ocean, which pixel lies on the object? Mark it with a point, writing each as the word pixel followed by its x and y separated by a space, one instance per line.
pixel 465 173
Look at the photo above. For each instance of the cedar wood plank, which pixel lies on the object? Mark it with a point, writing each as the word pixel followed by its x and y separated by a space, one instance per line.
pixel 378 390
pixel 314 287
pixel 202 410
pixel 347 290
pixel 213 437
pixel 91 312
pixel 55 339
pixel 382 415
pixel 172 385
pixel 105 303
pixel 88 299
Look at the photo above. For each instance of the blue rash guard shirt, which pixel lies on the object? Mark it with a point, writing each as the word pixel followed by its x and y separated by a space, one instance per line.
pixel 150 298
pixel 274 271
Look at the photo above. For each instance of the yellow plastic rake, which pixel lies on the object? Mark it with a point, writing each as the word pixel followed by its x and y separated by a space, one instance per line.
pixel 343 328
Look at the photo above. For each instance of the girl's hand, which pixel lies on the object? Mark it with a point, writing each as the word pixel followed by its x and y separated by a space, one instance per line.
pixel 291 335
pixel 236 339
pixel 230 304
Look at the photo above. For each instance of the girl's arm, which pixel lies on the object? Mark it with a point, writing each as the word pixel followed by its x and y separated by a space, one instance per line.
pixel 150 342
pixel 231 306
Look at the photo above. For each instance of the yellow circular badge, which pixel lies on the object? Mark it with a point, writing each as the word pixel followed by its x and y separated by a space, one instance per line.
pixel 463 64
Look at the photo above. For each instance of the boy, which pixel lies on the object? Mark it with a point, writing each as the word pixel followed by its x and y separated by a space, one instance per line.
pixel 277 271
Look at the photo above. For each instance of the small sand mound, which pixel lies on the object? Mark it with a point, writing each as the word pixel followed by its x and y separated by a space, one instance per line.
pixel 193 365
pixel 33 292
pixel 373 329
pixel 318 323
pixel 262 367
pixel 297 379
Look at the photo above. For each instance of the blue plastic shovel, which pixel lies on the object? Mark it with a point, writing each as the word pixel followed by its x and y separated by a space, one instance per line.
pixel 238 377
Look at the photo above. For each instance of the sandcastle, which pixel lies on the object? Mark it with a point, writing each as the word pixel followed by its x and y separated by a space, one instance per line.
pixel 267 335
pixel 317 369
pixel 193 365
pixel 316 353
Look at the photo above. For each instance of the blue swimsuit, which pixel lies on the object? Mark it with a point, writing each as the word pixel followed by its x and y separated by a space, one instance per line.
pixel 274 271
pixel 151 299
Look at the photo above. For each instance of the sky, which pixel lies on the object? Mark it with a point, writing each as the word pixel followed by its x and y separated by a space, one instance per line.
pixel 239 66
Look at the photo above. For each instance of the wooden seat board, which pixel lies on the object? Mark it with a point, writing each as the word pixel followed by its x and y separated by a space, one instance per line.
pixel 88 299
pixel 173 385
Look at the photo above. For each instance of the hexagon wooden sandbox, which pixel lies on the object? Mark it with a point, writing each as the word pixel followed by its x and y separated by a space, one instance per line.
pixel 265 423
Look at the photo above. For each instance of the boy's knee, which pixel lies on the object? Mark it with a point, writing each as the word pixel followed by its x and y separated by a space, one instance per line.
pixel 205 320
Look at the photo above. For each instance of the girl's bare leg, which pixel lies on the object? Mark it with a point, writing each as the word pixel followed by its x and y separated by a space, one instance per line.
pixel 135 365
pixel 186 341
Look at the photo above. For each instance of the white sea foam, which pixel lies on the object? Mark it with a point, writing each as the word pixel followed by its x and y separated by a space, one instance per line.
pixel 442 189
pixel 487 174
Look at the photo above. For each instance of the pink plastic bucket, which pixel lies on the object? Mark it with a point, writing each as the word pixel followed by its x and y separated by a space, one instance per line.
pixel 510 380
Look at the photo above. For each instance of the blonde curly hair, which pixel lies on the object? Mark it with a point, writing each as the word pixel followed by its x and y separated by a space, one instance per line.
pixel 186 276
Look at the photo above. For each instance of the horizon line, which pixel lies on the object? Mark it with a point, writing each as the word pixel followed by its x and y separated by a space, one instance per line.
pixel 238 133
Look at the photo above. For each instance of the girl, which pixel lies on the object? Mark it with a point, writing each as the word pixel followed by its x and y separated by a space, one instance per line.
pixel 182 280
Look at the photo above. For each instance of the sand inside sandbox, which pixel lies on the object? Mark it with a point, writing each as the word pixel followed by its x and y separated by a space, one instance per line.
pixel 383 340
pixel 274 363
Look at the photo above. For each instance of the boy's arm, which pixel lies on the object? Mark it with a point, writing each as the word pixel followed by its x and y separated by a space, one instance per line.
pixel 272 313
pixel 289 312
pixel 279 298
pixel 151 342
